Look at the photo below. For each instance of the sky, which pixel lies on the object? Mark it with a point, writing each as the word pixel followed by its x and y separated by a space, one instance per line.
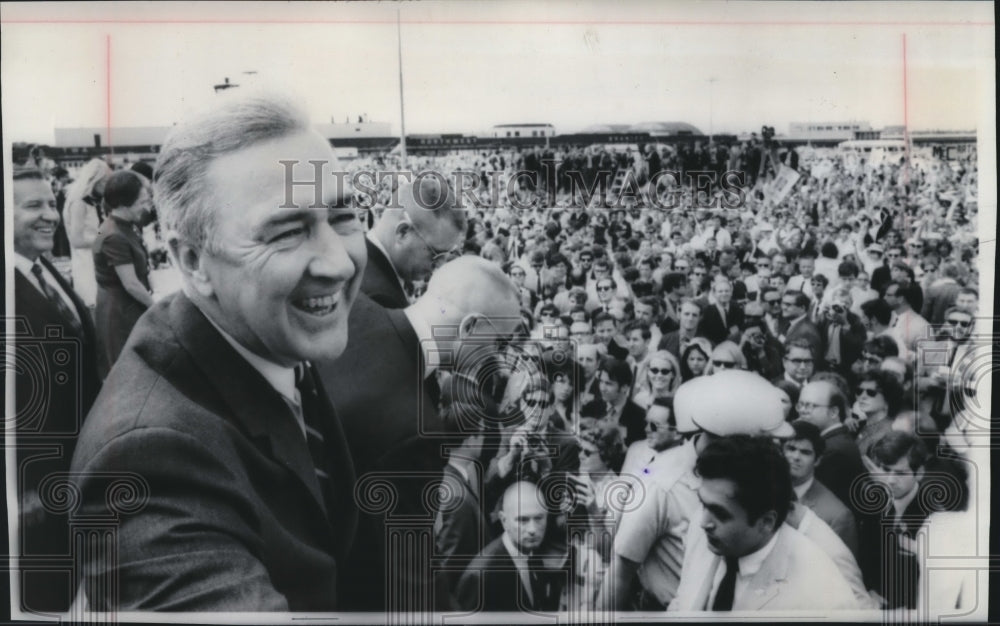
pixel 722 66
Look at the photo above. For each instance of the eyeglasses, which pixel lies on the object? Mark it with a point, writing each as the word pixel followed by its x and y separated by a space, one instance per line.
pixel 604 288
pixel 803 407
pixel 959 323
pixel 724 364
pixel 772 302
pixel 436 254
pixel 533 402
pixel 655 427
pixel 664 371
pixel 799 361
pixel 836 308
pixel 871 392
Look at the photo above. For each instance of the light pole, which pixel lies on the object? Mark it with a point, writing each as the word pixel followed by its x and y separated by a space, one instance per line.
pixel 711 104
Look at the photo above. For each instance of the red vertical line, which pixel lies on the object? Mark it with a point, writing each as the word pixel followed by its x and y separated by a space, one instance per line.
pixel 108 94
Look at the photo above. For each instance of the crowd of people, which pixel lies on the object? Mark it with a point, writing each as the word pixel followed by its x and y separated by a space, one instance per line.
pixel 562 400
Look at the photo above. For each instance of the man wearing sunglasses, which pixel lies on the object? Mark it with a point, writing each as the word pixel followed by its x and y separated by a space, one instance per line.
pixel 408 243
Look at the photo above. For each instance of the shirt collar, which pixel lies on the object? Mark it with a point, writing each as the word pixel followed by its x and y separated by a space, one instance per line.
pixel 425 337
pixel 23 263
pixel 750 564
pixel 803 488
pixel 280 377
pixel 378 244
pixel 901 504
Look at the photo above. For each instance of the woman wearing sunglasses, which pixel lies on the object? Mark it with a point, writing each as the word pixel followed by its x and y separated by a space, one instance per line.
pixel 662 378
pixel 726 356
pixel 878 399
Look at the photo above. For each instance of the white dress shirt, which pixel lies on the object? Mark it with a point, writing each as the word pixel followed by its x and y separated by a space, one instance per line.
pixel 749 565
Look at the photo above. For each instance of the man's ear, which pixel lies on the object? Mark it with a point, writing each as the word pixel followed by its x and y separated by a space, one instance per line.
pixel 768 521
pixel 919 474
pixel 467 324
pixel 401 230
pixel 191 262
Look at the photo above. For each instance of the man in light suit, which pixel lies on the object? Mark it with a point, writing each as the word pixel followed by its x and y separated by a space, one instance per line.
pixel 386 392
pixel 241 475
pixel 742 556
pixel 55 385
pixel 411 239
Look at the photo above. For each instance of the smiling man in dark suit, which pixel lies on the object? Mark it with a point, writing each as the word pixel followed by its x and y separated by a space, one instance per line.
pixel 55 385
pixel 243 481
pixel 410 239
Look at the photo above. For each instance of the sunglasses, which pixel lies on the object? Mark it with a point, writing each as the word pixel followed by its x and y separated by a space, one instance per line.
pixel 664 371
pixel 800 361
pixel 605 288
pixel 532 402
pixel 959 323
pixel 724 364
pixel 836 308
pixel 871 393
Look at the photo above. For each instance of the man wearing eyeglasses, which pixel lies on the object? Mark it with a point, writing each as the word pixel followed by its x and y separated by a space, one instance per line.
pixel 387 394
pixel 407 243
pixel 824 405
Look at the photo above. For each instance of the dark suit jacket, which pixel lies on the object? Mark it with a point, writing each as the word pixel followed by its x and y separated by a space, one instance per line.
pixel 380 282
pixel 393 430
pixel 852 339
pixel 835 513
pixel 492 583
pixel 49 414
pixel 840 465
pixel 460 530
pixel 711 325
pixel 229 513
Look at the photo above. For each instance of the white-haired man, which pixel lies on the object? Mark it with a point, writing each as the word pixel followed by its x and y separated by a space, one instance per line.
pixel 212 411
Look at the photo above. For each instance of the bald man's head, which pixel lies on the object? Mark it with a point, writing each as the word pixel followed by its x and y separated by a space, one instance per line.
pixel 423 228
pixel 523 516
pixel 470 285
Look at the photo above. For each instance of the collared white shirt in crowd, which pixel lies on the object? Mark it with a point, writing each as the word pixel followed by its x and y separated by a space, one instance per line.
pixel 749 565
pixel 801 490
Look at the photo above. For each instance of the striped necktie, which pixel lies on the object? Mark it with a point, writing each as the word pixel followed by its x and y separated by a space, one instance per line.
pixel 56 300
pixel 311 416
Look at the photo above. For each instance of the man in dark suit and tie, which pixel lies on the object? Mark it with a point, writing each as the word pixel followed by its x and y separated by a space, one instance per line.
pixel 411 238
pixel 241 480
pixel 384 387
pixel 796 323
pixel 514 572
pixel 721 318
pixel 55 385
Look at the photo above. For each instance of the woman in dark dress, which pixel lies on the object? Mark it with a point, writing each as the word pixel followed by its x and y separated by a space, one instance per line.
pixel 121 264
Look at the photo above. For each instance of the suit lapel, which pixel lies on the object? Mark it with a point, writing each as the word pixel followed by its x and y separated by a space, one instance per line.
pixel 82 311
pixel 378 258
pixel 253 403
pixel 767 582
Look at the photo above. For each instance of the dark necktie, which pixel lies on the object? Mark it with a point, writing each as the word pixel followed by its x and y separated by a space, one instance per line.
pixel 727 588
pixel 536 570
pixel 55 298
pixel 311 416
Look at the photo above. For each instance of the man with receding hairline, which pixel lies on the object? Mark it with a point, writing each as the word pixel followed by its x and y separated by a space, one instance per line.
pixel 411 239
pixel 386 391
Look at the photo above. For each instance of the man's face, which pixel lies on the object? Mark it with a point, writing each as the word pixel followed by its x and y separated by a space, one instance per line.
pixel 636 344
pixel 778 263
pixel 958 325
pixel 610 390
pixel 534 406
pixel 601 271
pixel 892 296
pixel 690 316
pixel 605 290
pixel 801 458
pixel 605 331
pixel 790 309
pixel 899 275
pixel 967 302
pixel 518 276
pixel 772 303
pixel 588 361
pixel 586 261
pixel 524 518
pixel 283 280
pixel 725 521
pixel 428 247
pixel 723 293
pixel 644 313
pixel 660 433
pixel 806 266
pixel 799 364
pixel 898 477
pixel 35 217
